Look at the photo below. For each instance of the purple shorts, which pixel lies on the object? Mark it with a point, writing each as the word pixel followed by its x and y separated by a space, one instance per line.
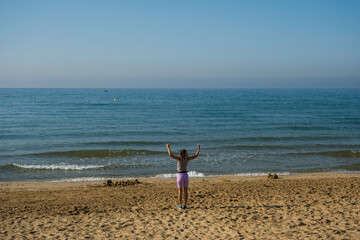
pixel 182 180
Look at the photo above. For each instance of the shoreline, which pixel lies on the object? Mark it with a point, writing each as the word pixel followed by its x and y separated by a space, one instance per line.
pixel 321 205
pixel 77 181
pixel 195 175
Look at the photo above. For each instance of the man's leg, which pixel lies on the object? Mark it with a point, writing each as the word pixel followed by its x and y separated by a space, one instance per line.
pixel 180 196
pixel 186 195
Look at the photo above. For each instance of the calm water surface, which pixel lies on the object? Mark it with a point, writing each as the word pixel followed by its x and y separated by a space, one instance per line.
pixel 83 134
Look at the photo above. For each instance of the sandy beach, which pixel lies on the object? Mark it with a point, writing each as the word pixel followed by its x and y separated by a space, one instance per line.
pixel 313 206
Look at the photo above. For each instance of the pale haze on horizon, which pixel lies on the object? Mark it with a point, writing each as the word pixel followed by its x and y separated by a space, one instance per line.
pixel 180 44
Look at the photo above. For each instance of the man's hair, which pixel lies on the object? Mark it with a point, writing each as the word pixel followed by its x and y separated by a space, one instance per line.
pixel 183 153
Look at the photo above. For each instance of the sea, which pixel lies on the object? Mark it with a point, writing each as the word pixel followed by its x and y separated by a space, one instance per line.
pixel 86 134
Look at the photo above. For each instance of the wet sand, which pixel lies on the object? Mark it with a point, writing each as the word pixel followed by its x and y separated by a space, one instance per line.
pixel 314 206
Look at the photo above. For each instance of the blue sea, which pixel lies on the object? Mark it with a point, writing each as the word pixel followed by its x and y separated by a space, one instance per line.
pixel 95 134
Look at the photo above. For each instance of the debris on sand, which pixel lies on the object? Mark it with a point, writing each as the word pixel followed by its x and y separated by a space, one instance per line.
pixel 110 183
pixel 274 176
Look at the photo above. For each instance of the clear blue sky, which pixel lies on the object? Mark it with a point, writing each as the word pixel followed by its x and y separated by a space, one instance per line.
pixel 131 43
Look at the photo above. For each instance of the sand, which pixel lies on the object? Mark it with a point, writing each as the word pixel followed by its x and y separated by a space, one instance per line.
pixel 316 206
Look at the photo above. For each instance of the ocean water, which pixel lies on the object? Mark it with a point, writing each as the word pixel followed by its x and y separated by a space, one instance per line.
pixel 83 134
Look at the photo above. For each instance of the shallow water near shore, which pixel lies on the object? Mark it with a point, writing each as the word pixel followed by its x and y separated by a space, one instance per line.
pixel 64 134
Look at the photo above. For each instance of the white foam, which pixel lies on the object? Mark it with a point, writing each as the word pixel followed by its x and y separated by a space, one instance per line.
pixel 261 174
pixel 193 174
pixel 89 179
pixel 60 167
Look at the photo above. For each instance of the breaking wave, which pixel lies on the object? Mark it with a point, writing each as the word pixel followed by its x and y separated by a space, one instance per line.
pixel 65 167
pixel 102 153
pixel 173 175
pixel 294 147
